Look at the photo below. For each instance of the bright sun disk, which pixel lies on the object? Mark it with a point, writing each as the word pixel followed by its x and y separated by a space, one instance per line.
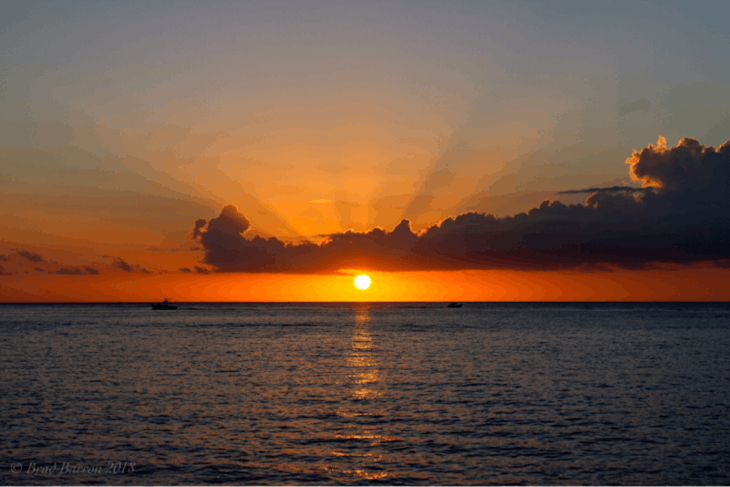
pixel 362 281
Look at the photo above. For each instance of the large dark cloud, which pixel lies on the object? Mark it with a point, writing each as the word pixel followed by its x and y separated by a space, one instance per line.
pixel 681 216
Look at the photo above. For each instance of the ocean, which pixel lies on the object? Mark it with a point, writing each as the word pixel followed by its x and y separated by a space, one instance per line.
pixel 398 393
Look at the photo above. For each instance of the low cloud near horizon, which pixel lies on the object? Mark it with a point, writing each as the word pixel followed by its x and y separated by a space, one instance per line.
pixel 681 216
pixel 29 262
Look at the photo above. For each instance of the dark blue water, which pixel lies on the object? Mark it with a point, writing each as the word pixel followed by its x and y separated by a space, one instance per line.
pixel 360 394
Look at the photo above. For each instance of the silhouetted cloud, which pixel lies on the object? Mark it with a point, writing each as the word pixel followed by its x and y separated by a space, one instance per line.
pixel 612 189
pixel 198 270
pixel 70 270
pixel 30 255
pixel 22 261
pixel 3 273
pixel 681 215
pixel 688 168
pixel 77 271
pixel 119 263
pixel 230 221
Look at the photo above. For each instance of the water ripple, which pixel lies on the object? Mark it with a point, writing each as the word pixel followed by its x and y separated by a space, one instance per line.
pixel 350 394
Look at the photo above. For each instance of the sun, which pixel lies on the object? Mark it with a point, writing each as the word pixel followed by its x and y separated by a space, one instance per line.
pixel 362 282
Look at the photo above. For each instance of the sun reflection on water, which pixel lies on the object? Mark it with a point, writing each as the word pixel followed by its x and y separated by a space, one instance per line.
pixel 363 390
pixel 361 360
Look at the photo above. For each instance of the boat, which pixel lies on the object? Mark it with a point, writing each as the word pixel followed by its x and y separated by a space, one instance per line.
pixel 163 305
pixel 454 305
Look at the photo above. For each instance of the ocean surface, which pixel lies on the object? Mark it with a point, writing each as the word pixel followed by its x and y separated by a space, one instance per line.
pixel 405 393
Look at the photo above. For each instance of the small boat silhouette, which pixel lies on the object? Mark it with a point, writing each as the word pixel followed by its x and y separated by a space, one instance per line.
pixel 163 305
pixel 454 305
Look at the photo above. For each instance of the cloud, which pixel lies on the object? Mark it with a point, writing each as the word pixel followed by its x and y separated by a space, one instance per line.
pixel 70 270
pixel 688 168
pixel 77 271
pixel 119 263
pixel 229 222
pixel 3 273
pixel 30 255
pixel 24 260
pixel 198 270
pixel 681 216
pixel 611 189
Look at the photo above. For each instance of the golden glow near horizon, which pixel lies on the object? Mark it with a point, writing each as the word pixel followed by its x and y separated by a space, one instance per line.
pixel 362 282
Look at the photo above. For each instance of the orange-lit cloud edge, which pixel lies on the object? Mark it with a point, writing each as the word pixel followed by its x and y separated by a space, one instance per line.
pixel 600 252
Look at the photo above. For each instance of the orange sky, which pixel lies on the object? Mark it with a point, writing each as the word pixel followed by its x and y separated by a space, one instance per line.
pixel 121 128
pixel 696 284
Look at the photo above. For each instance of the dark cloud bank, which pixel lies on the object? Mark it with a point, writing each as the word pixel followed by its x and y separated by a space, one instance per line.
pixel 682 216
pixel 18 258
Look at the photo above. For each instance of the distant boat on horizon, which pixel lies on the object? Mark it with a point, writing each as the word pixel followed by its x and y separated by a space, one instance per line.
pixel 163 305
pixel 454 305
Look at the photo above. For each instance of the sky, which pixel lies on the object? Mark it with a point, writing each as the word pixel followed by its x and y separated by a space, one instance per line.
pixel 271 151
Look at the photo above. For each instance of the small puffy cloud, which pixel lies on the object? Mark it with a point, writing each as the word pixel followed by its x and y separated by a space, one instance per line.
pixel 22 261
pixel 185 269
pixel 682 215
pixel 201 270
pixel 70 270
pixel 119 263
pixel 30 255
pixel 77 271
